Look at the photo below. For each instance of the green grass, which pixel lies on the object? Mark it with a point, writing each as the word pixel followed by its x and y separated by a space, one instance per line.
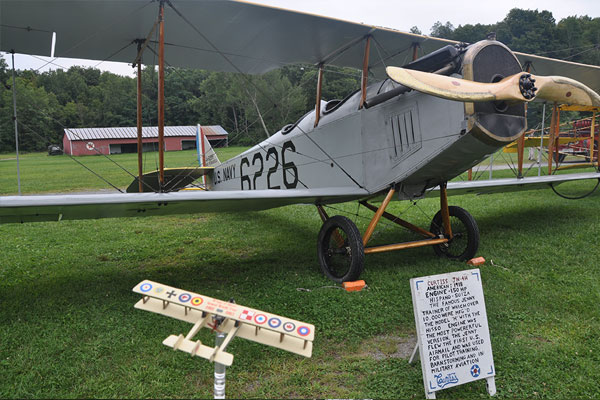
pixel 69 328
pixel 43 173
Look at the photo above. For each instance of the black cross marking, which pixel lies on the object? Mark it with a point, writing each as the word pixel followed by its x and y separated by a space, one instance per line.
pixel 171 293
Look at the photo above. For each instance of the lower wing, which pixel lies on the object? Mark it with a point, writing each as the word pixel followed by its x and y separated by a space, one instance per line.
pixel 515 184
pixel 88 206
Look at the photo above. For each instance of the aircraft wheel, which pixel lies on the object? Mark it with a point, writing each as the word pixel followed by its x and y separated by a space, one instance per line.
pixel 465 235
pixel 340 249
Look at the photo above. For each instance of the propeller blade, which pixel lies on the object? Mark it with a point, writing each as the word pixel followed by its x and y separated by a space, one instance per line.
pixel 519 87
pixel 565 91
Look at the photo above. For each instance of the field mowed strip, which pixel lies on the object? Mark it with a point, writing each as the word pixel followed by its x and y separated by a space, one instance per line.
pixel 69 328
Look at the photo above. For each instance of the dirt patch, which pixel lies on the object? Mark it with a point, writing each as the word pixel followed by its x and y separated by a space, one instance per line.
pixel 389 346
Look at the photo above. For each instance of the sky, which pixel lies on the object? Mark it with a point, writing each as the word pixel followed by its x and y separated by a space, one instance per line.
pixel 397 14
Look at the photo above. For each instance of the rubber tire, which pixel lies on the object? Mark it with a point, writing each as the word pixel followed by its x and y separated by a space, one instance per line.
pixel 469 227
pixel 353 242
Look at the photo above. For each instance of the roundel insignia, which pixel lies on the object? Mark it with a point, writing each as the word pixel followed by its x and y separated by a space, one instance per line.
pixel 159 290
pixel 475 371
pixel 289 326
pixel 303 331
pixel 146 287
pixel 274 322
pixel 196 300
pixel 184 297
pixel 90 146
pixel 260 319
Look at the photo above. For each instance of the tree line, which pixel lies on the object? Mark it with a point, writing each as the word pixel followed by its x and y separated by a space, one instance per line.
pixel 249 107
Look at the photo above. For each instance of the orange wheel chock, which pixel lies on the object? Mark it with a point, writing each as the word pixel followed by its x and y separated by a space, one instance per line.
pixel 354 286
pixel 476 262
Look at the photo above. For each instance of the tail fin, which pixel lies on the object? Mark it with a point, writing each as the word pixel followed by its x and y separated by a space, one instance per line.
pixel 206 155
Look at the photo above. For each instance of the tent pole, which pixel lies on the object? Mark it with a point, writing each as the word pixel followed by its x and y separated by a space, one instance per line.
pixel 14 94
pixel 161 94
pixel 541 141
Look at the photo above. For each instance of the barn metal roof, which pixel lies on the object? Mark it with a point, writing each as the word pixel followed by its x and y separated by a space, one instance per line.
pixel 75 134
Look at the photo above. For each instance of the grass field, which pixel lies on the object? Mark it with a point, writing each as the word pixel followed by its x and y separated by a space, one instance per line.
pixel 69 328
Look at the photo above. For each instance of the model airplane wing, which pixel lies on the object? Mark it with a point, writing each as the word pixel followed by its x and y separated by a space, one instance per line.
pixel 234 319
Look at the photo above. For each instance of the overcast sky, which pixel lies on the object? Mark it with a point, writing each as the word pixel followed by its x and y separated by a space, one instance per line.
pixel 397 14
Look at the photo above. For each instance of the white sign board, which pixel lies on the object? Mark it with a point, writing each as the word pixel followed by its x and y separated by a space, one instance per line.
pixel 452 330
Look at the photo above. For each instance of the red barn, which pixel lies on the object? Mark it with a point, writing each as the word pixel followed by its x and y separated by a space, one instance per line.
pixel 89 141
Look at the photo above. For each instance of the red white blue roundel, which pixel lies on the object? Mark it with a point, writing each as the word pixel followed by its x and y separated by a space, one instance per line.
pixel 289 327
pixel 260 319
pixel 303 331
pixel 475 371
pixel 274 322
pixel 146 287
pixel 184 297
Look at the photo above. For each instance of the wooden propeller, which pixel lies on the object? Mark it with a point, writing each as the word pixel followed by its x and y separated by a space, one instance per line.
pixel 519 87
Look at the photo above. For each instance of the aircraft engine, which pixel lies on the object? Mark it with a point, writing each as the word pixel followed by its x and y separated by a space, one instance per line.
pixel 494 122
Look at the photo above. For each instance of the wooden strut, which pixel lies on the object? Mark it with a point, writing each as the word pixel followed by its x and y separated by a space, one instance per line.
pixel 139 119
pixel 336 234
pixel 399 221
pixel 377 216
pixel 365 73
pixel 445 211
pixel 380 212
pixel 161 94
pixel 593 138
pixel 415 47
pixel 318 100
pixel 223 345
pixel 554 121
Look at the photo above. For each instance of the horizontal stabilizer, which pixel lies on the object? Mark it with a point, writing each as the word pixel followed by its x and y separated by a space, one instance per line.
pixel 195 348
pixel 175 179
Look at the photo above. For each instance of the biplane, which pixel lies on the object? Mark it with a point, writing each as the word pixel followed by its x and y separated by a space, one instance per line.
pixel 414 124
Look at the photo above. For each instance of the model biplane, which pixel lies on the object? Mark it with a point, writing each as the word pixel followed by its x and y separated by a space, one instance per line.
pixel 405 131
pixel 226 317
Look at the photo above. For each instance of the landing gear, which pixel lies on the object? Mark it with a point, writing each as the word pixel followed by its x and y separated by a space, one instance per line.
pixel 340 249
pixel 464 242
pixel 453 233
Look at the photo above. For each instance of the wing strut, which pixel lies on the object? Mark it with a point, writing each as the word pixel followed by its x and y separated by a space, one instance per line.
pixel 139 118
pixel 161 94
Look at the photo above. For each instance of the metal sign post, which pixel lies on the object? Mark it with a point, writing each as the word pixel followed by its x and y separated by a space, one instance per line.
pixel 220 371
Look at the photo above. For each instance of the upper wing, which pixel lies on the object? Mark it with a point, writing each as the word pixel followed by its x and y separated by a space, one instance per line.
pixel 86 206
pixel 222 35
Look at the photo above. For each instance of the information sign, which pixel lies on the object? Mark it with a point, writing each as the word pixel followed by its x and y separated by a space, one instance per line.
pixel 453 338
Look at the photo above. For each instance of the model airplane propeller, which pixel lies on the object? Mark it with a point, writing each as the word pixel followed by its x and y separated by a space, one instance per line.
pixel 384 141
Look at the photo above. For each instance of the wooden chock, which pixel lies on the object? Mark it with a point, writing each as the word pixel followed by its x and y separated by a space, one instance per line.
pixel 476 262
pixel 354 286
